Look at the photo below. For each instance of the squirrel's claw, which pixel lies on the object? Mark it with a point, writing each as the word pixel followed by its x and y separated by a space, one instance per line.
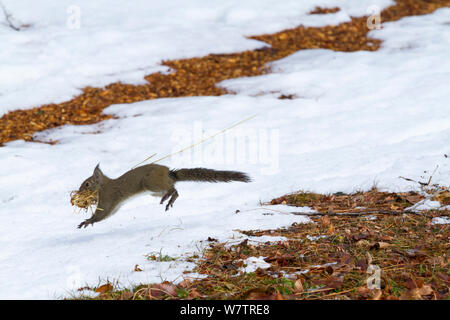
pixel 85 223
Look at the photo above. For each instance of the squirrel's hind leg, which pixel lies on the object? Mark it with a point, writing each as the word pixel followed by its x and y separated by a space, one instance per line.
pixel 173 194
pixel 167 195
pixel 172 200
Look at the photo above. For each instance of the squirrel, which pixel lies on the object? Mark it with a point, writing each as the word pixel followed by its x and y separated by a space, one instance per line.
pixel 158 179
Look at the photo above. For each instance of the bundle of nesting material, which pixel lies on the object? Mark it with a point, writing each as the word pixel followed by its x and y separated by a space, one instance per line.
pixel 84 199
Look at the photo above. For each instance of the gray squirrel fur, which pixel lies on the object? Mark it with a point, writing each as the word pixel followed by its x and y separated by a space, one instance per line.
pixel 154 178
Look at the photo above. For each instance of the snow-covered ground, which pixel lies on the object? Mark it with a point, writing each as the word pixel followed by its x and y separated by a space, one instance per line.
pixel 358 119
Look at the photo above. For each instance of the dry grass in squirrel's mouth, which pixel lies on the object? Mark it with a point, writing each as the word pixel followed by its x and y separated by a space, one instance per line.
pixel 84 199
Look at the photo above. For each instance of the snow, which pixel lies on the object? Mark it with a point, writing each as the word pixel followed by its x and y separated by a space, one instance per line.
pixel 358 118
pixel 73 44
pixel 315 238
pixel 253 263
pixel 440 220
pixel 425 204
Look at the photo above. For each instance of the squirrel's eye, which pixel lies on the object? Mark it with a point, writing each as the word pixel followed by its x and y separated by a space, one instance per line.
pixel 87 184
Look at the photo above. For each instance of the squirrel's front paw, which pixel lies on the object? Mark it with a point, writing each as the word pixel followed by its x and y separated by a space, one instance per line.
pixel 85 223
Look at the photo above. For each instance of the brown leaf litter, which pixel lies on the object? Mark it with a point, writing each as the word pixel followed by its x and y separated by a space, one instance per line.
pixel 372 200
pixel 320 10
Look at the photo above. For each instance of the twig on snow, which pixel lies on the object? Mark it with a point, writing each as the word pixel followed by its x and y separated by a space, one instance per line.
pixel 8 17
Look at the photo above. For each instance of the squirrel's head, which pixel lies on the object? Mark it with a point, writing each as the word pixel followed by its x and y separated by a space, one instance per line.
pixel 94 182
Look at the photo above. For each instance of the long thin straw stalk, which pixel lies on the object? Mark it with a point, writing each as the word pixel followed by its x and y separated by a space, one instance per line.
pixel 197 143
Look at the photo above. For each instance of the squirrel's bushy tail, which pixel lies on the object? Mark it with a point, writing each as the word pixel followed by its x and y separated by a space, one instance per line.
pixel 208 175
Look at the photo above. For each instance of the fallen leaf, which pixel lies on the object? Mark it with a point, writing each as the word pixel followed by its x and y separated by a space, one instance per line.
pixel 330 229
pixel 369 258
pixel 412 283
pixel 325 220
pixel 160 289
pixel 412 294
pixel 126 295
pixel 298 286
pixel 283 36
pixel 194 294
pixel 329 270
pixel 444 277
pixel 425 290
pixel 376 294
pixel 362 264
pixel 380 245
pixel 185 283
pixel 331 282
pixel 360 236
pixel 362 243
pixel 260 294
pixel 363 291
pixel 104 288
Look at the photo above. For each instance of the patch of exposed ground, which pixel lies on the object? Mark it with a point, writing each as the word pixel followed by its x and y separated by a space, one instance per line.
pixel 320 10
pixel 372 200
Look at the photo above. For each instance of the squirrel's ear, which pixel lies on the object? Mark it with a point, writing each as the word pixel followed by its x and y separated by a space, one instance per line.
pixel 98 174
